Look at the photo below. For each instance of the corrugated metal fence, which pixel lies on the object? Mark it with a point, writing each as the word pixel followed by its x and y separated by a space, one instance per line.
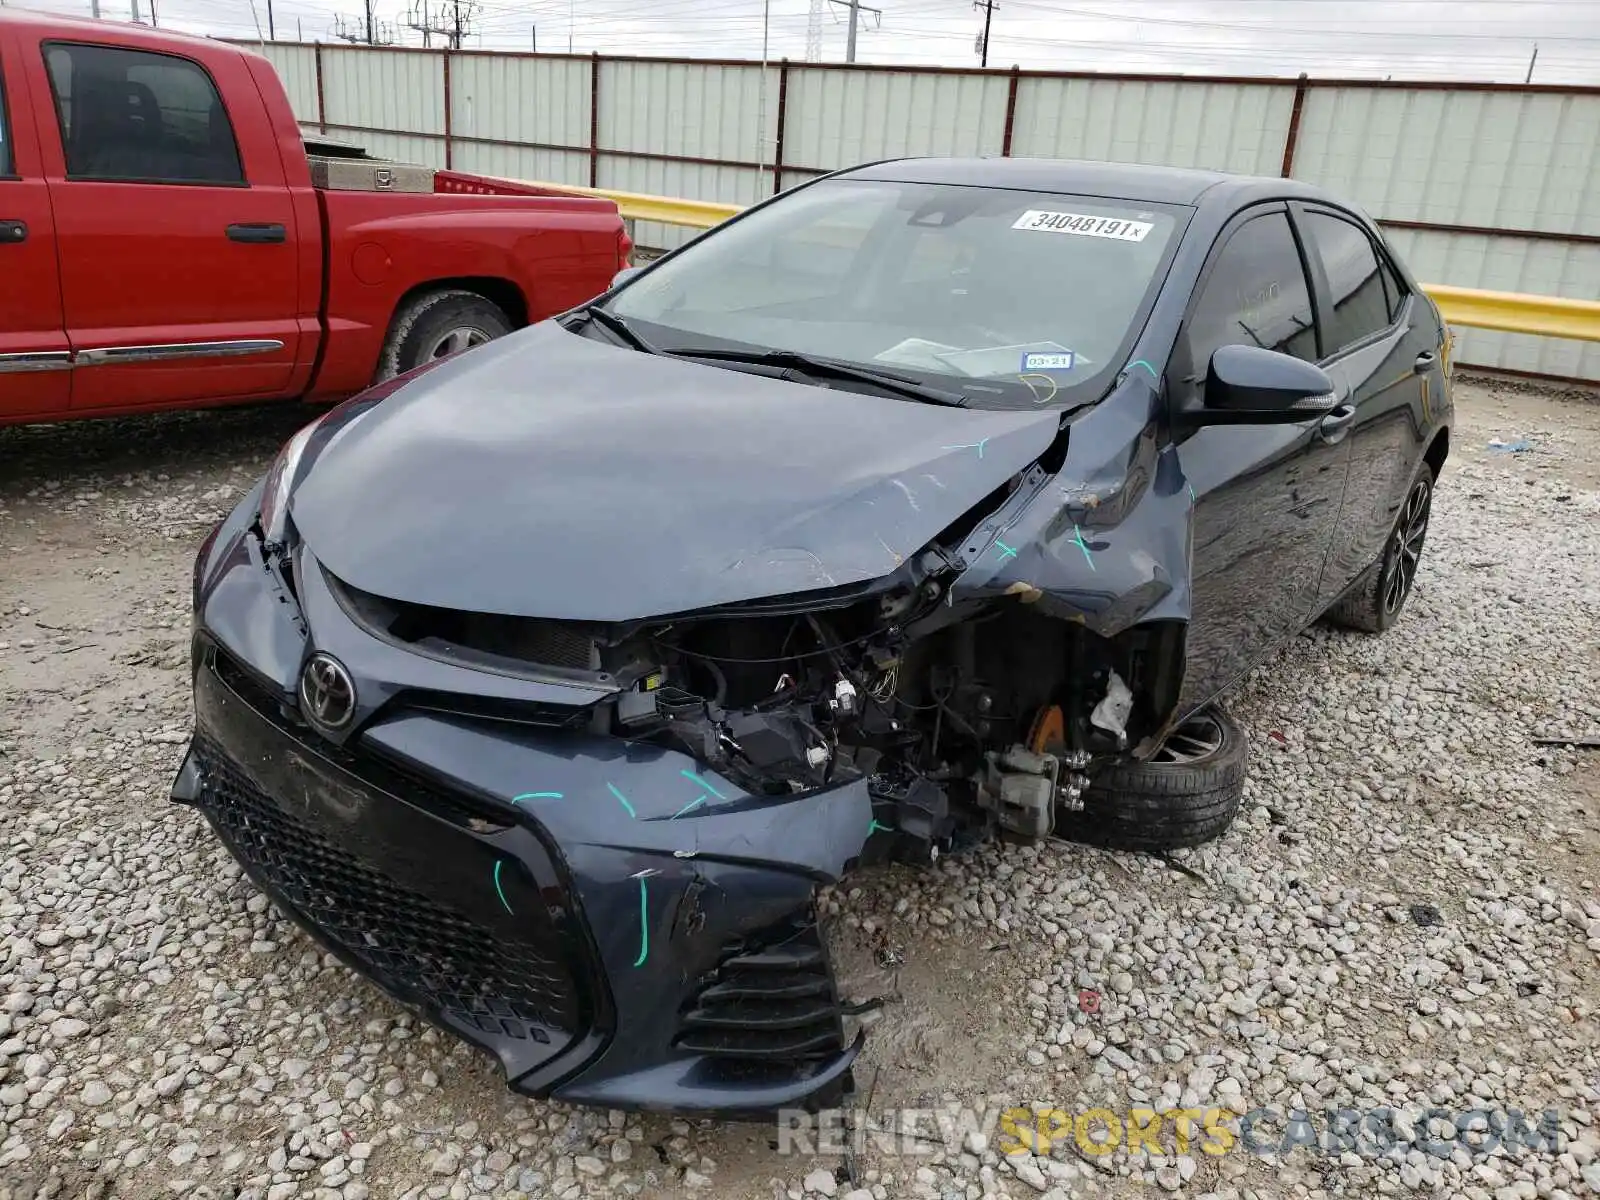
pixel 1479 185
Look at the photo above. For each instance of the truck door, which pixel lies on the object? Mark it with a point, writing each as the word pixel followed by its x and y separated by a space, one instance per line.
pixel 34 354
pixel 178 270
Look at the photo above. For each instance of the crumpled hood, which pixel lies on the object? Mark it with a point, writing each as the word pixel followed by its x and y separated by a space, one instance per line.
pixel 554 476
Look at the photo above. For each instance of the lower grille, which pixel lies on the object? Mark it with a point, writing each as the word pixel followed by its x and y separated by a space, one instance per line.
pixel 773 1004
pixel 421 949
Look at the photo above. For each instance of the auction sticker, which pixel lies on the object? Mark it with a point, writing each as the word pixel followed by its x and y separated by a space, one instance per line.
pixel 1049 362
pixel 1117 228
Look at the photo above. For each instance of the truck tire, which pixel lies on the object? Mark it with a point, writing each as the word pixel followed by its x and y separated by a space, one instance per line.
pixel 437 324
pixel 1375 599
pixel 1186 794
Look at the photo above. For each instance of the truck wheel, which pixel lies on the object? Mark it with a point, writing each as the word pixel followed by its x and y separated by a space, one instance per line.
pixel 438 324
pixel 1374 600
pixel 1187 793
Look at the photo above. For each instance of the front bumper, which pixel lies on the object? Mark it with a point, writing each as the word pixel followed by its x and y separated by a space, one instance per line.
pixel 617 927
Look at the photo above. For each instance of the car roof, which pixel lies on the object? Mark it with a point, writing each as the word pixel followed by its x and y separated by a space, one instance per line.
pixel 1125 181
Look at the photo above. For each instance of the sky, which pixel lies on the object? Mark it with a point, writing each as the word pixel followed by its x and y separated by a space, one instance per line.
pixel 1401 39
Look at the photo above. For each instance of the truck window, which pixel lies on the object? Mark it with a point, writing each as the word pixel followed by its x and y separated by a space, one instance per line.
pixel 8 167
pixel 139 117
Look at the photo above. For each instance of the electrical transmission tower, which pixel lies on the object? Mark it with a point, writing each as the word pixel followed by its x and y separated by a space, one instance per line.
pixel 418 17
pixel 368 30
pixel 450 19
pixel 814 32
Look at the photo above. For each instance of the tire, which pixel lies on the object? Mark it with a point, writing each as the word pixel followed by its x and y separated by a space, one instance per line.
pixel 436 324
pixel 1188 793
pixel 1374 601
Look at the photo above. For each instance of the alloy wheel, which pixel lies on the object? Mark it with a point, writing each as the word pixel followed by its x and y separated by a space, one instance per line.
pixel 1198 737
pixel 1405 549
pixel 457 340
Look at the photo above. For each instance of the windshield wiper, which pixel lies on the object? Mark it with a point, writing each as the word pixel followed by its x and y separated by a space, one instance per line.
pixel 900 385
pixel 619 328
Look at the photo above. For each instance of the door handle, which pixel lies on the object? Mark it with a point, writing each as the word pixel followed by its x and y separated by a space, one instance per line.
pixel 257 234
pixel 13 231
pixel 1424 362
pixel 1336 424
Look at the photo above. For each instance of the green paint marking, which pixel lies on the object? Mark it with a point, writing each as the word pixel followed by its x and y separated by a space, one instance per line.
pixel 875 827
pixel 623 800
pixel 1077 537
pixel 687 808
pixel 978 446
pixel 698 782
pixel 1005 550
pixel 1191 493
pixel 498 864
pixel 1139 362
pixel 644 924
pixel 536 796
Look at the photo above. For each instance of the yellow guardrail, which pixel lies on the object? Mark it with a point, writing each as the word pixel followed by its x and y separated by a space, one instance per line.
pixel 1511 312
pixel 636 206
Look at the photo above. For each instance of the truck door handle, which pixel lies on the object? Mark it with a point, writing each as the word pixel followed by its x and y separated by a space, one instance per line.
pixel 13 231
pixel 1424 362
pixel 257 234
pixel 1337 423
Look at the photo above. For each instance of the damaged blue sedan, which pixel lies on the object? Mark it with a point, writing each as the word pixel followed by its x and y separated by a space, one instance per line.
pixel 930 501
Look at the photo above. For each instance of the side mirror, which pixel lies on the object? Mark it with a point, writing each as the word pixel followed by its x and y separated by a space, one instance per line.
pixel 624 275
pixel 1248 385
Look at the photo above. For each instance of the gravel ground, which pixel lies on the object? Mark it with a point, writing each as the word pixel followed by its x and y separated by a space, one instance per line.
pixel 1406 916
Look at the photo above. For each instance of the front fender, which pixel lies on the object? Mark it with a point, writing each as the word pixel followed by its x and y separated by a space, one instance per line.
pixel 1105 540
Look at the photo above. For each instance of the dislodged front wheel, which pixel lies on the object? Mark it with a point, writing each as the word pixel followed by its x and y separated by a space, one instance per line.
pixel 1186 793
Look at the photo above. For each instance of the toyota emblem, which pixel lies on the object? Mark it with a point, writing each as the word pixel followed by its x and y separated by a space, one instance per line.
pixel 327 693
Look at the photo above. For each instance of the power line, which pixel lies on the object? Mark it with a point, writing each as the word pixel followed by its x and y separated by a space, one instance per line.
pixel 1276 30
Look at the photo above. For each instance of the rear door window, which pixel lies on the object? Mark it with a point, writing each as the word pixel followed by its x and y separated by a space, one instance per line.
pixel 138 117
pixel 1395 289
pixel 1361 305
pixel 1256 294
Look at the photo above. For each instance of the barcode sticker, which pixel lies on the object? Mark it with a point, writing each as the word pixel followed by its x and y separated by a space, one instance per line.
pixel 1117 228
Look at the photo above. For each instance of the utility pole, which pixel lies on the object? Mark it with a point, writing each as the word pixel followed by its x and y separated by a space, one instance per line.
pixel 1531 61
pixel 272 30
pixel 94 8
pixel 856 8
pixel 988 7
pixel 369 22
pixel 136 19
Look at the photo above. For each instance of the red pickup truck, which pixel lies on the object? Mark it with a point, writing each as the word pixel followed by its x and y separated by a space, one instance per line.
pixel 163 244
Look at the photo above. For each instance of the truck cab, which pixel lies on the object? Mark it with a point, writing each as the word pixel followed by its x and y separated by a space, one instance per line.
pixel 164 245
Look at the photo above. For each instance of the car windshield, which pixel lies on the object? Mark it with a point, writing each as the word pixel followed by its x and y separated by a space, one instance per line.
pixel 1004 297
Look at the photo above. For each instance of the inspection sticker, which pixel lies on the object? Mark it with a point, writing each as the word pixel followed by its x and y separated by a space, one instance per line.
pixel 1049 362
pixel 1117 228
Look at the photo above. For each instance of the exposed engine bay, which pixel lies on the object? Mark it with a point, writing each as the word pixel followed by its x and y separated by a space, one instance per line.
pixel 965 717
